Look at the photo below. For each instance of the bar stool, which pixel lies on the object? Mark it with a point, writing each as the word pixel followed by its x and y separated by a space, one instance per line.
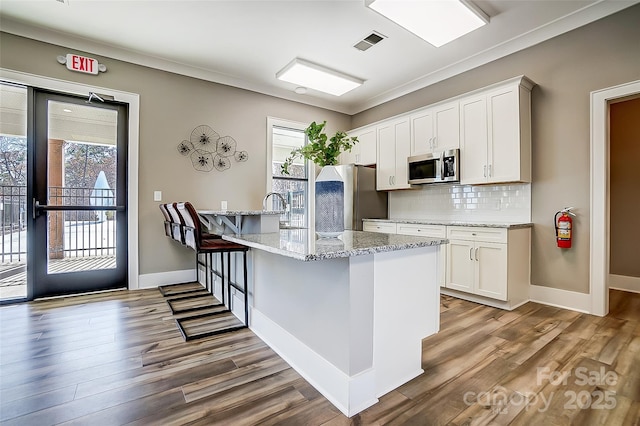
pixel 194 238
pixel 174 229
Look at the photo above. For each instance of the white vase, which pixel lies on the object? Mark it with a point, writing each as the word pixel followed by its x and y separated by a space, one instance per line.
pixel 329 210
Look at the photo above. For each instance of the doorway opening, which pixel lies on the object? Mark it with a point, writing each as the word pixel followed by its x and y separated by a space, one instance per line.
pixel 600 192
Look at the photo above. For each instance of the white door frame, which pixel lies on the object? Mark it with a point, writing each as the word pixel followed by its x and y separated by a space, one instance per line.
pixel 599 238
pixel 133 99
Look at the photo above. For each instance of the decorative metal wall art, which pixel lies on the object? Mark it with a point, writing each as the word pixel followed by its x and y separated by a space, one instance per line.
pixel 208 150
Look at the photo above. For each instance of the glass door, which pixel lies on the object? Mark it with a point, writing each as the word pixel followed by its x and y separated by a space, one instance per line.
pixel 77 240
pixel 13 192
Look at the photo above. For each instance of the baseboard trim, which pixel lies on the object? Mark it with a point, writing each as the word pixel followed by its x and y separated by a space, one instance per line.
pixel 349 394
pixel 494 303
pixel 164 278
pixel 565 299
pixel 624 283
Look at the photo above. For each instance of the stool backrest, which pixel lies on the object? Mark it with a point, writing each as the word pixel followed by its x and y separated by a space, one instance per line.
pixel 192 227
pixel 177 224
pixel 167 220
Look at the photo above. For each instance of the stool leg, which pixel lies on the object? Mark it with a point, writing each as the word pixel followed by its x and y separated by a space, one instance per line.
pixel 229 281
pixel 246 289
pixel 207 271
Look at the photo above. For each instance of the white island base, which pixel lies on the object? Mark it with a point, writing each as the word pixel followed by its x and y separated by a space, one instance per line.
pixel 351 326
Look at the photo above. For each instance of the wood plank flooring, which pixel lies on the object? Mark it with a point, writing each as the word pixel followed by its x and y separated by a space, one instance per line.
pixel 118 358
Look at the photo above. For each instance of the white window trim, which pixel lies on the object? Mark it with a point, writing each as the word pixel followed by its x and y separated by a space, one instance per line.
pixel 295 125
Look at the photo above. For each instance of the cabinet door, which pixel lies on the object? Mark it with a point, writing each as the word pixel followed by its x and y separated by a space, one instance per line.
pixel 367 146
pixel 403 151
pixel 460 273
pixel 504 135
pixel 382 227
pixel 422 132
pixel 473 140
pixel 386 167
pixel 491 270
pixel 446 120
pixel 352 156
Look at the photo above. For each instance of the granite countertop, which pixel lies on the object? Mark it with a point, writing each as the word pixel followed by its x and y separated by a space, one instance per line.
pixel 302 244
pixel 239 212
pixel 508 225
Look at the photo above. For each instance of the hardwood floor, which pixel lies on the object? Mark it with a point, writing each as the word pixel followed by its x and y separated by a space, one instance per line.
pixel 118 358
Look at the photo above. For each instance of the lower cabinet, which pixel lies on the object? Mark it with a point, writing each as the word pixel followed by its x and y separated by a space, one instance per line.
pixel 431 231
pixel 383 227
pixel 489 262
pixel 482 264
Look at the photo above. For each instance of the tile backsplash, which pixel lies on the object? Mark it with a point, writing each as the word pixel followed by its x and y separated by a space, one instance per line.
pixel 487 203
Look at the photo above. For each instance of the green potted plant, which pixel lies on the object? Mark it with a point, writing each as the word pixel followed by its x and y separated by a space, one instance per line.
pixel 321 149
pixel 329 186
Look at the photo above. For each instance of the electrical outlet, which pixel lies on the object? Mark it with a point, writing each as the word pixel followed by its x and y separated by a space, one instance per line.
pixel 157 195
pixel 223 205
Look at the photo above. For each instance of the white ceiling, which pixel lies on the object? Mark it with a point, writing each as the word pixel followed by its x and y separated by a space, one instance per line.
pixel 245 43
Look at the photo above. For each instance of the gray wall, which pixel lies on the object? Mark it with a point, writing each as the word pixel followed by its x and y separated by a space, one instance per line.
pixel 566 69
pixel 171 106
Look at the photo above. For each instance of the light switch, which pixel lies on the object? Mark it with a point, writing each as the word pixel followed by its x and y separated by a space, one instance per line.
pixel 157 195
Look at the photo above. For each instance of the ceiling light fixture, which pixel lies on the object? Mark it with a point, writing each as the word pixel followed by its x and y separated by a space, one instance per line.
pixel 314 76
pixel 436 21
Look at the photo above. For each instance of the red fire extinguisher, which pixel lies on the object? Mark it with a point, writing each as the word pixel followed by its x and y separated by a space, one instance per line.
pixel 564 226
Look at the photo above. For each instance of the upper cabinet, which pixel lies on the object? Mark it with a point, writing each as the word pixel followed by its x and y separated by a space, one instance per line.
pixel 491 126
pixel 495 134
pixel 364 152
pixel 393 151
pixel 435 129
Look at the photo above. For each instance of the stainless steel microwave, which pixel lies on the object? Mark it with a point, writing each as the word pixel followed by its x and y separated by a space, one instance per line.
pixel 435 167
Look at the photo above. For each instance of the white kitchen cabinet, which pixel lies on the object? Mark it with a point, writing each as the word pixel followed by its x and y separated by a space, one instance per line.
pixel 431 231
pixel 382 227
pixel 435 129
pixel 392 153
pixel 489 262
pixel 363 152
pixel 495 134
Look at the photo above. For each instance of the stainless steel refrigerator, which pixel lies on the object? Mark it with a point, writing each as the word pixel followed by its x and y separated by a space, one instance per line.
pixel 361 200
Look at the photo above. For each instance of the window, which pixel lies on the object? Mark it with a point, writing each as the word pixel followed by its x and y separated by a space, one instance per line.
pixel 284 136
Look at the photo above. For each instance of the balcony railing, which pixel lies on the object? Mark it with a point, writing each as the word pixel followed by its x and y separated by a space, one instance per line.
pixel 71 233
pixel 13 207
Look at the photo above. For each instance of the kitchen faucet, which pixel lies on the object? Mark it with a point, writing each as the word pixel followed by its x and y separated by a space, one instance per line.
pixel 264 200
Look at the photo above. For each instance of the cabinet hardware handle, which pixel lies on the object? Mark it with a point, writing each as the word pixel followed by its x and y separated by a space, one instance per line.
pixel 485 170
pixel 476 254
pixel 489 170
pixel 470 253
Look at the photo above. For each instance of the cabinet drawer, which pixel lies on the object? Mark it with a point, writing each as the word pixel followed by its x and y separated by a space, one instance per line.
pixel 384 227
pixel 433 231
pixel 472 233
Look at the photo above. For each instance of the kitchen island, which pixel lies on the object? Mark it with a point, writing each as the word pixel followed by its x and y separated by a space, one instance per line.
pixel 348 314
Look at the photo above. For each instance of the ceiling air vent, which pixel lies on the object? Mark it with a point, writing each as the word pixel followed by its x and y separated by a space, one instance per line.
pixel 368 41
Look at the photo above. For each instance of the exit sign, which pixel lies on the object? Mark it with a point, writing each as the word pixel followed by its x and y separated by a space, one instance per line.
pixel 82 64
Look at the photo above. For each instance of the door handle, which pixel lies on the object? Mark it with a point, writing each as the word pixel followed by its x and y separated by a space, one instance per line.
pixel 476 254
pixel 37 208
pixel 470 253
